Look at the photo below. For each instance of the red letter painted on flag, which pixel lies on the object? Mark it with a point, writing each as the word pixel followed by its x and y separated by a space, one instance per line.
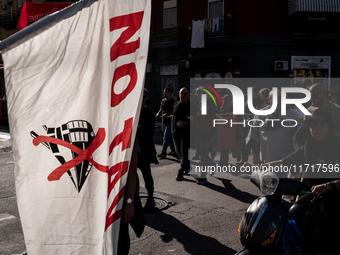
pixel 133 21
pixel 128 69
pixel 119 169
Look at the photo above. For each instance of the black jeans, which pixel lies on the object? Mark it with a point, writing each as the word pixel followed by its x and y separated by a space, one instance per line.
pixel 182 143
pixel 148 180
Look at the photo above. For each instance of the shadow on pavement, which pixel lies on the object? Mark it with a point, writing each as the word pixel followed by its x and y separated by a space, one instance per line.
pixel 170 158
pixel 230 190
pixel 192 242
pixel 186 179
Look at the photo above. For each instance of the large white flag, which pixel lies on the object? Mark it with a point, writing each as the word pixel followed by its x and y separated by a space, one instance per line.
pixel 74 81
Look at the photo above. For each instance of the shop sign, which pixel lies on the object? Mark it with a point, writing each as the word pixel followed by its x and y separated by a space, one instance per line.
pixel 310 62
pixel 32 12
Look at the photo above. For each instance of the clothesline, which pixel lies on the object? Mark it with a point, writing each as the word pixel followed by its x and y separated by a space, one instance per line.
pixel 198 28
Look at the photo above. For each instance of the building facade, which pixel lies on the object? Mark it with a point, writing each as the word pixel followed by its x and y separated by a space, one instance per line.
pixel 247 39
pixel 255 38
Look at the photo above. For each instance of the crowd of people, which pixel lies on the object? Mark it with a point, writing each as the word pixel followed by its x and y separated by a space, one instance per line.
pixel 314 139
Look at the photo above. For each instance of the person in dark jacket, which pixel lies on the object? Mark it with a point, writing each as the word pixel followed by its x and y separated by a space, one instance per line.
pixel 145 131
pixel 181 131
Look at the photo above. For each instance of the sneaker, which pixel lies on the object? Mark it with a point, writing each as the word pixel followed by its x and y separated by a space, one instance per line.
pixel 179 177
pixel 150 204
pixel 162 156
pixel 201 181
pixel 186 172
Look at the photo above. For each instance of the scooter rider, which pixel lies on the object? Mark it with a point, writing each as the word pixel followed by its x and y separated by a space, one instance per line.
pixel 322 148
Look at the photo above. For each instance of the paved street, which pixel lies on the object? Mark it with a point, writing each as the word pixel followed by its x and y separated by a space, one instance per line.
pixel 11 238
pixel 199 219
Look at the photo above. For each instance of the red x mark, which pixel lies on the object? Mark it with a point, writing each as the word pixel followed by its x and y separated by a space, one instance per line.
pixel 121 167
pixel 82 154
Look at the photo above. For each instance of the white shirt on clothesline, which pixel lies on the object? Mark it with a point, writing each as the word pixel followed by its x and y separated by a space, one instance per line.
pixel 197 38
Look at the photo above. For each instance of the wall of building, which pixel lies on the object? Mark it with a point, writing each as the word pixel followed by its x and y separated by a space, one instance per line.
pixel 259 17
pixel 259 33
pixel 9 14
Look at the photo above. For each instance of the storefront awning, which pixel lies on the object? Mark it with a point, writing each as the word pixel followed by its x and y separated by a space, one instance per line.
pixel 313 6
pixel 32 12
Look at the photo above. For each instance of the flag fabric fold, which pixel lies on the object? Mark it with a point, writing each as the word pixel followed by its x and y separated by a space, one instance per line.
pixel 74 83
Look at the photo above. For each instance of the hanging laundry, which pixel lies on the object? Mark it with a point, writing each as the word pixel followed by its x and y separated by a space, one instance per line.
pixel 216 22
pixel 197 37
pixel 208 25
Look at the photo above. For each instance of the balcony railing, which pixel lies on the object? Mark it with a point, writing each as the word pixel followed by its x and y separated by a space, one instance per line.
pixel 166 35
pixel 177 34
pixel 224 29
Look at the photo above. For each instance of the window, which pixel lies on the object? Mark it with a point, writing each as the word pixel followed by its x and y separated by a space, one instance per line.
pixel 21 3
pixel 215 12
pixel 169 13
pixel 216 9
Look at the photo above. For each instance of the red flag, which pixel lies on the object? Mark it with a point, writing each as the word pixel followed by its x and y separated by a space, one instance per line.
pixel 32 12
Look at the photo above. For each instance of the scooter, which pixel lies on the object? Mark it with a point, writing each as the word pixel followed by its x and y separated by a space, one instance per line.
pixel 270 225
